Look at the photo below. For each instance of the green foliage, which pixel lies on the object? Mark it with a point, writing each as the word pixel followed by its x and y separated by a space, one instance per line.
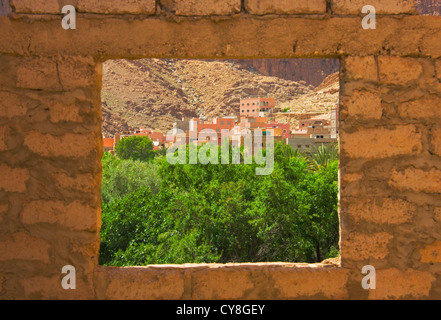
pixel 122 177
pixel 286 109
pixel 135 148
pixel 161 151
pixel 222 213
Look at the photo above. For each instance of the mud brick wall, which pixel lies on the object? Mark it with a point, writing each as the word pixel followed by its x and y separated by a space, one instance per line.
pixel 51 145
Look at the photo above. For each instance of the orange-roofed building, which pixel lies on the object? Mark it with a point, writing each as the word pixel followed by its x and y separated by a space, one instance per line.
pixel 157 137
pixel 253 122
pixel 218 125
pixel 108 144
pixel 284 128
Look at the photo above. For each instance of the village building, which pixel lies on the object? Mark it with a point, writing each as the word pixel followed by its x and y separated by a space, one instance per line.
pixel 257 107
pixel 316 130
pixel 108 144
pixel 157 137
pixel 255 116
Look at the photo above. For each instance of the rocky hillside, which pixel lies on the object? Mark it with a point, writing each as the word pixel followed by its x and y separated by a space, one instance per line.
pixel 156 92
pixel 311 71
pixel 319 101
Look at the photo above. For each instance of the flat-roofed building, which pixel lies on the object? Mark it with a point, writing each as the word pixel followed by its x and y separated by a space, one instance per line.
pixel 257 107
pixel 108 144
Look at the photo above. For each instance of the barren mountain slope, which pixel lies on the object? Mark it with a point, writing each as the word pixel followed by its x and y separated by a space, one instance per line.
pixel 156 92
pixel 320 101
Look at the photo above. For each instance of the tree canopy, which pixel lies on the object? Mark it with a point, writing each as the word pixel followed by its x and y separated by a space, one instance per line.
pixel 185 213
pixel 135 148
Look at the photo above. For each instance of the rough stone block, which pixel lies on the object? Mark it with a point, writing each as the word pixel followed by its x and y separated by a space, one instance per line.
pixel 202 7
pixel 309 281
pixel 438 69
pixel 437 214
pixel 62 113
pixel 361 68
pixel 436 140
pixel 10 105
pixel 144 283
pixel 76 72
pixel 55 74
pixel 362 105
pixel 49 288
pixel 382 142
pixel 221 283
pixel 68 145
pixel 88 250
pixel 261 7
pixel 81 182
pixel 13 179
pixel 32 6
pixel 431 253
pixel 351 177
pixel 399 71
pixel 358 246
pixel 425 108
pixel 431 45
pixel 3 210
pixel 38 74
pixel 74 215
pixel 3 145
pixel 2 281
pixel 117 6
pixel 41 287
pixel 381 211
pixel 395 284
pixel 23 246
pixel 417 180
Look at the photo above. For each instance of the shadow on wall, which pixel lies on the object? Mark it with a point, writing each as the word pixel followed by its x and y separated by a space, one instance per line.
pixel 5 8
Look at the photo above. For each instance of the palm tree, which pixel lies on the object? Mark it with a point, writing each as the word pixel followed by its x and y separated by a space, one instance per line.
pixel 285 151
pixel 161 151
pixel 321 156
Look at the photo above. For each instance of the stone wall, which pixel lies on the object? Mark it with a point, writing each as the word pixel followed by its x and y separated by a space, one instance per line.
pixel 51 145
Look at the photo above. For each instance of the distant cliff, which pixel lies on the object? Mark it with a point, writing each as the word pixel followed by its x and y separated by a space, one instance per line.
pixel 157 92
